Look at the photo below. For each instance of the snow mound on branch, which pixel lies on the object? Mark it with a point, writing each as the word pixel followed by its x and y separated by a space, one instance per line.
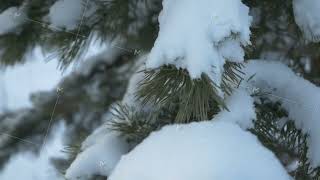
pixel 10 19
pixel 101 151
pixel 205 150
pixel 307 17
pixel 69 13
pixel 298 96
pixel 200 35
pixel 241 109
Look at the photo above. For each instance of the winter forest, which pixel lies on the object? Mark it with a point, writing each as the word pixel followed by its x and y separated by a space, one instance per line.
pixel 159 90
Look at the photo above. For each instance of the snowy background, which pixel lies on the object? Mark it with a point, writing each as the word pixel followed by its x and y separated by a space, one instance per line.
pixel 17 83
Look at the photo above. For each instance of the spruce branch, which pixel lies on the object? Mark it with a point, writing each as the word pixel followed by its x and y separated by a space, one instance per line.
pixel 15 46
pixel 280 135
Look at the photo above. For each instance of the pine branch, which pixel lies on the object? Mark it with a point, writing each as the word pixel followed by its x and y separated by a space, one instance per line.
pixel 16 46
pixel 5 4
pixel 168 86
pixel 118 18
pixel 281 136
pixel 197 99
pixel 135 125
pixel 231 77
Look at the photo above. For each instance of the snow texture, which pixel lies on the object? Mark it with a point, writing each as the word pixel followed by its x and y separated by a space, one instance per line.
pixel 10 19
pixel 101 151
pixel 69 13
pixel 307 17
pixel 200 35
pixel 298 96
pixel 241 109
pixel 203 150
pixel 20 81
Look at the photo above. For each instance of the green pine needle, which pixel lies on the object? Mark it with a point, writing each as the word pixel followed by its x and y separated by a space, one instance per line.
pixel 284 139
pixel 169 85
pixel 197 99
pixel 135 125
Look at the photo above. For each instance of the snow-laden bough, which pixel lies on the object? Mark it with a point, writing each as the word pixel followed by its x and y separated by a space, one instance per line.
pixel 201 35
pixel 202 150
pixel 297 95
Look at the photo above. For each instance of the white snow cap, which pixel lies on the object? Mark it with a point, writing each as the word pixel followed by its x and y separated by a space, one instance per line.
pixel 202 150
pixel 101 152
pixel 200 35
pixel 298 96
pixel 69 13
pixel 10 19
pixel 307 17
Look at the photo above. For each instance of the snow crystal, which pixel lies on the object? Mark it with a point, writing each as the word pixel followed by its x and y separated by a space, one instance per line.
pixel 10 19
pixel 241 109
pixel 100 153
pixel 198 35
pixel 203 150
pixel 307 17
pixel 298 96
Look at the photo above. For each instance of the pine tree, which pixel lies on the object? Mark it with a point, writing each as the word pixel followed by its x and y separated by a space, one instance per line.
pixel 150 83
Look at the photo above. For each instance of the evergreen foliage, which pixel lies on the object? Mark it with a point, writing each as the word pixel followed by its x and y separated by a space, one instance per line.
pixel 279 134
pixel 172 94
pixel 171 87
pixel 135 125
pixel 196 99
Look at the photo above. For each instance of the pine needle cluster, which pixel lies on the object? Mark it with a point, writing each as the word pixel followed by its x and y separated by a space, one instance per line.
pixel 134 124
pixel 281 136
pixel 196 99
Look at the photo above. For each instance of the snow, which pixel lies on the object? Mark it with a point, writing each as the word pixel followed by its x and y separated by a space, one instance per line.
pixel 130 97
pixel 298 96
pixel 69 13
pixel 100 153
pixel 202 150
pixel 28 166
pixel 10 19
pixel 103 148
pixel 307 17
pixel 41 75
pixel 98 51
pixel 198 35
pixel 241 109
pixel 20 81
